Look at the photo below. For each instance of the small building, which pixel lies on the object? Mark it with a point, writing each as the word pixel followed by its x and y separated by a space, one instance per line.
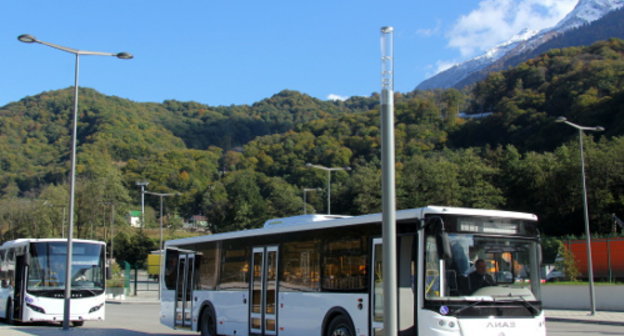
pixel 134 218
pixel 197 222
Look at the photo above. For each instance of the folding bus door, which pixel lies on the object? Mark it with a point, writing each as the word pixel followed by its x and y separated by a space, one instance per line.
pixel 20 285
pixel 263 303
pixel 184 290
pixel 377 299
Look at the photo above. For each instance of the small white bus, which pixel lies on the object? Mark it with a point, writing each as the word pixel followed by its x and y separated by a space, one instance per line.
pixel 321 275
pixel 32 280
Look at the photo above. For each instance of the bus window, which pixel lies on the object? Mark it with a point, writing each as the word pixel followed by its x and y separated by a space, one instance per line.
pixel 432 268
pixel 344 264
pixel 206 272
pixel 301 266
pixel 234 267
pixel 171 266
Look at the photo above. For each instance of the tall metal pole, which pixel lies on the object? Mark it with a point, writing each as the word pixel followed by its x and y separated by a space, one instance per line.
pixel 72 182
pixel 161 195
pixel 328 170
pixel 388 183
pixel 112 229
pixel 142 184
pixel 329 191
pixel 72 175
pixel 590 267
pixel 305 198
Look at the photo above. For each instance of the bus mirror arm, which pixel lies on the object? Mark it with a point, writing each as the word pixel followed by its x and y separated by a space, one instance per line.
pixel 442 240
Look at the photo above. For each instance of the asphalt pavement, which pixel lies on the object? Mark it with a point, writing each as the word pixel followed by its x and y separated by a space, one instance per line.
pixel 147 303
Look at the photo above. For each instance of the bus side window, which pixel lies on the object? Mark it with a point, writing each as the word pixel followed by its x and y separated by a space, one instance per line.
pixel 171 267
pixel 3 277
pixel 206 266
pixel 344 264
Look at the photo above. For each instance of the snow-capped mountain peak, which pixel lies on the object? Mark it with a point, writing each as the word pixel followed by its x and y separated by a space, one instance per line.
pixel 585 12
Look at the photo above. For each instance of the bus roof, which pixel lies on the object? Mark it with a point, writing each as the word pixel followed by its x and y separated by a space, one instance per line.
pixel 309 222
pixel 46 240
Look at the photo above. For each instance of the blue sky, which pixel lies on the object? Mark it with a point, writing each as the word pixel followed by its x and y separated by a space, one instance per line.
pixel 240 52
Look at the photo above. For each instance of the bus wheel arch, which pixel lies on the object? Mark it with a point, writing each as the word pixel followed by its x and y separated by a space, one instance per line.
pixel 335 320
pixel 207 323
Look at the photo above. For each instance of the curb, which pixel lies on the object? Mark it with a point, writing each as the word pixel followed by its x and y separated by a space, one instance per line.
pixel 117 302
pixel 578 320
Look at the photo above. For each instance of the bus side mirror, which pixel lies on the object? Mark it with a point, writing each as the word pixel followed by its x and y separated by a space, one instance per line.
pixel 5 284
pixel 442 240
pixel 444 245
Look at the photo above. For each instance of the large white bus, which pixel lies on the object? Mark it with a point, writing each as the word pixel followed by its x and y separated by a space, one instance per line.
pixel 322 276
pixel 32 280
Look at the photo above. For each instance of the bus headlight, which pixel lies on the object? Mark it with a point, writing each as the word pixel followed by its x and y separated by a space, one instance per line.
pixel 35 308
pixel 95 308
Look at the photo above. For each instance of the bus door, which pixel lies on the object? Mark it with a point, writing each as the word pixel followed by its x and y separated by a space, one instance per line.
pixel 20 284
pixel 377 299
pixel 184 289
pixel 263 303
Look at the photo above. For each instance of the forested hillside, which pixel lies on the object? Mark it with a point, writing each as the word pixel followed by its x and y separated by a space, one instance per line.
pixel 240 165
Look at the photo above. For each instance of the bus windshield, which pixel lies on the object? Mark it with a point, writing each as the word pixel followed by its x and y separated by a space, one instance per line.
pixel 46 270
pixel 483 264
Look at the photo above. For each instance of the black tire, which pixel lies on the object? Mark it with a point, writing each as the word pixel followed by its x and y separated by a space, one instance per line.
pixel 77 323
pixel 207 325
pixel 340 326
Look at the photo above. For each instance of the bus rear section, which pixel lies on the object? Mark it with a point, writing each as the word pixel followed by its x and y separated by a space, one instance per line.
pixel 33 280
pixel 325 277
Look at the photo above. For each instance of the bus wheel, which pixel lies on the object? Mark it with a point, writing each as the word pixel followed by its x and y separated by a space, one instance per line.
pixel 77 323
pixel 340 326
pixel 207 323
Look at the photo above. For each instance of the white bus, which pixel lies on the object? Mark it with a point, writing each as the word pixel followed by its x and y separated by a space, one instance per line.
pixel 322 275
pixel 32 277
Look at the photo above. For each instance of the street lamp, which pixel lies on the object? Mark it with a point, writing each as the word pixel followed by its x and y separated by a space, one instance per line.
pixel 72 175
pixel 590 268
pixel 142 184
pixel 328 170
pixel 161 195
pixel 388 184
pixel 305 199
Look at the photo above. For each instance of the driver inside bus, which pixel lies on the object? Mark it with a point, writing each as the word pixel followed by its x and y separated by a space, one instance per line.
pixel 479 277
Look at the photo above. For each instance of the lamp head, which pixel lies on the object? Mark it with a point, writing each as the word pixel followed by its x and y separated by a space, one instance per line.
pixel 561 119
pixel 599 128
pixel 124 55
pixel 27 38
pixel 308 164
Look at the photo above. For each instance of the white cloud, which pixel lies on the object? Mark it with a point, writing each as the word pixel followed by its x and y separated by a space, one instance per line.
pixel 428 32
pixel 337 97
pixel 444 65
pixel 495 21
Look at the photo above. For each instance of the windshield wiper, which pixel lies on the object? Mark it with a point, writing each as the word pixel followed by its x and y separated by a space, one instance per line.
pixel 455 313
pixel 93 292
pixel 530 307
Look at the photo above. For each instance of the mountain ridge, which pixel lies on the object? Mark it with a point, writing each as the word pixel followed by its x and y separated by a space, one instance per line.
pixel 516 50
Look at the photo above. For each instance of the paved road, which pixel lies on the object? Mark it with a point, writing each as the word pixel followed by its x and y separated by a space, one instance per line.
pixel 582 329
pixel 141 319
pixel 121 320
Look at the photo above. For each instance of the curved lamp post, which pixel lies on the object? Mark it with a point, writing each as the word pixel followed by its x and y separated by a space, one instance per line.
pixel 305 198
pixel 72 175
pixel 590 268
pixel 161 195
pixel 328 170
